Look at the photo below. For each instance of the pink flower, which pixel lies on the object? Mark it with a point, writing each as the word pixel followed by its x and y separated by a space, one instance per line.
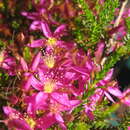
pixel 126 97
pixel 30 71
pixel 7 62
pixel 17 120
pixel 99 51
pixel 111 88
pixel 52 38
pixel 100 92
pixel 93 100
pixel 42 14
pixel 23 121
pixel 53 105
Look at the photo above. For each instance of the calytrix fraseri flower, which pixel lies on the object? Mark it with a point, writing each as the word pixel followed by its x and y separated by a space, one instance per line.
pixel 52 38
pixel 52 74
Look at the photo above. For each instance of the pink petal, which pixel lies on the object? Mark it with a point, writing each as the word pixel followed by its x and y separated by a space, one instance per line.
pixel 109 75
pixel 10 61
pixel 27 83
pixel 5 66
pixel 70 75
pixel 24 64
pixel 11 112
pixel 89 113
pixel 60 30
pixel 8 110
pixel 59 118
pixel 46 121
pixel 31 16
pixel 36 84
pixel 37 43
pixel 46 30
pixel 36 61
pixel 36 25
pixel 80 70
pixel 31 108
pixel 61 98
pixel 40 98
pixel 115 91
pixel 126 97
pixel 99 51
pixel 18 124
pixel 126 101
pixel 109 97
pixel 74 103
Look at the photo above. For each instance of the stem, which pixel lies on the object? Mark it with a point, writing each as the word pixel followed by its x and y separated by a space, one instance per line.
pixel 112 42
pixel 120 13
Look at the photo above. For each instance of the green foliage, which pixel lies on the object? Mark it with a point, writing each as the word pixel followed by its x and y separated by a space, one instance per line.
pixel 1 45
pixel 26 53
pixel 91 28
pixel 112 59
pixel 87 12
pixel 82 126
pixel 106 15
pixel 3 79
pixel 15 24
pixel 125 122
pixel 128 24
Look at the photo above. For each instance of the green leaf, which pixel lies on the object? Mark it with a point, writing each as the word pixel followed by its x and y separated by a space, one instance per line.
pixel 82 126
pixel 26 53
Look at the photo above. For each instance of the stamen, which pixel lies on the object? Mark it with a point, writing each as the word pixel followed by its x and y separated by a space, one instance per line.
pixel 49 86
pixel 31 122
pixel 51 41
pixel 49 60
pixel 1 56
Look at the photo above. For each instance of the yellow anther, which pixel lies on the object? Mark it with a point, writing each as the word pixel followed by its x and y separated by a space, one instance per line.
pixel 49 61
pixel 1 56
pixel 51 41
pixel 49 86
pixel 31 122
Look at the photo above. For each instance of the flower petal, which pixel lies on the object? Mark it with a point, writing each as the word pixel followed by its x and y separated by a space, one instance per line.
pixel 31 16
pixel 11 112
pixel 60 30
pixel 46 30
pixel 18 124
pixel 35 25
pixel 115 91
pixel 36 43
pixel 109 97
pixel 27 83
pixel 61 98
pixel 59 118
pixel 46 121
pixel 36 84
pixel 109 75
pixel 35 62
pixel 40 98
pixel 80 70
pixel 24 64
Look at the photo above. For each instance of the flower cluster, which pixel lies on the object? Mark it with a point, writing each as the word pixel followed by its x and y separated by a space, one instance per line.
pixel 59 76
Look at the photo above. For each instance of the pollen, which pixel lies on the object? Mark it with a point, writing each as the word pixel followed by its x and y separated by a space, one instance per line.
pixel 49 86
pixel 1 57
pixel 31 122
pixel 51 41
pixel 49 61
